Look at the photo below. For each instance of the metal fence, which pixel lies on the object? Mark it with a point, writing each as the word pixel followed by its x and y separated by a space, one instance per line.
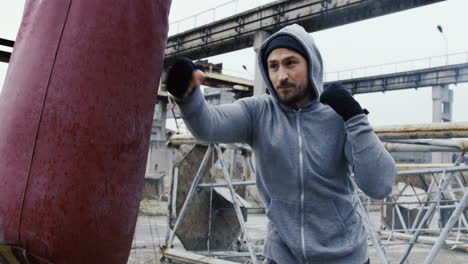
pixel 400 66
pixel 426 206
pixel 211 15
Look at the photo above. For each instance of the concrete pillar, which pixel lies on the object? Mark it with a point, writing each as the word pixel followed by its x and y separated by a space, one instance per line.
pixel 259 84
pixel 156 148
pixel 442 100
pixel 163 106
pixel 162 119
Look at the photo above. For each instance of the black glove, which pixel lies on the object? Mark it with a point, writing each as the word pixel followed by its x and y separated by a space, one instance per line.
pixel 180 75
pixel 341 100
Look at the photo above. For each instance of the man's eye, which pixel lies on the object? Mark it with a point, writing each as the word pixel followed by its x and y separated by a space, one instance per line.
pixel 291 63
pixel 273 66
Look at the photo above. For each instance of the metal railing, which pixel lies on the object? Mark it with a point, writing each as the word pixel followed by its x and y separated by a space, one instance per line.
pixel 400 66
pixel 211 15
pixel 381 69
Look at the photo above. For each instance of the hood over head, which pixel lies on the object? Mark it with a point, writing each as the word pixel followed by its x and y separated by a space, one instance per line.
pixel 314 59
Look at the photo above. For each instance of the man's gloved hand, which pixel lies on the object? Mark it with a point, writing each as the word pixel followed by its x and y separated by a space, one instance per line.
pixel 341 100
pixel 183 77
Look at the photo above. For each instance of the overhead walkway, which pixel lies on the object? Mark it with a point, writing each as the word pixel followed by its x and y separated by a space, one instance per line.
pixel 410 74
pixel 238 31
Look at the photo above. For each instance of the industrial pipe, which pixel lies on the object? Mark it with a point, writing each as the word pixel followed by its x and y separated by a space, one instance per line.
pixel 431 130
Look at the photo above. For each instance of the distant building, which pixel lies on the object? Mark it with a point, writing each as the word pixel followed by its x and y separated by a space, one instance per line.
pixel 217 96
pixel 158 164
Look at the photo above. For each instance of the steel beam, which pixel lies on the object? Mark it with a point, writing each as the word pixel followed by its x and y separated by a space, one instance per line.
pixel 217 80
pixel 423 239
pixel 5 55
pixel 237 32
pixel 457 73
pixel 430 130
pixel 444 75
pixel 6 42
pixel 176 140
pixel 227 178
pixel 225 184
pixel 189 257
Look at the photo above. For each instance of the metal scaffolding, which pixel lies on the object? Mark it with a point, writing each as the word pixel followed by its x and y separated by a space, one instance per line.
pixel 428 203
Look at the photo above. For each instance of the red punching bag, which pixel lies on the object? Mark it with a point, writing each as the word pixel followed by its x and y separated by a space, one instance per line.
pixel 75 120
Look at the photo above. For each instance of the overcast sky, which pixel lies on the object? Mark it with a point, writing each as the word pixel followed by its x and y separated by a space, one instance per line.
pixel 411 34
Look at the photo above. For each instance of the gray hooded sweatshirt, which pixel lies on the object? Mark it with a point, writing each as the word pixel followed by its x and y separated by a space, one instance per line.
pixel 304 159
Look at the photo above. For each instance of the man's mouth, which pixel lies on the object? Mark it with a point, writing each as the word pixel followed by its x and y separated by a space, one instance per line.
pixel 285 87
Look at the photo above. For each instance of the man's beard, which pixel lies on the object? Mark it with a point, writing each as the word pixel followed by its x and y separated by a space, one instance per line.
pixel 303 92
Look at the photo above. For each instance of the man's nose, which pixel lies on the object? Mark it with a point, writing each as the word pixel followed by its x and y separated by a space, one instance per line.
pixel 282 75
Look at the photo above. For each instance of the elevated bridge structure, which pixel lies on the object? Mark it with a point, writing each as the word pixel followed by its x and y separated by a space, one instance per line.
pixel 430 72
pixel 242 30
pixel 371 79
pixel 404 75
pixel 251 27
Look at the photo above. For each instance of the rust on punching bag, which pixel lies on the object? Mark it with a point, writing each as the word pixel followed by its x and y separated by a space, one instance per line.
pixel 75 121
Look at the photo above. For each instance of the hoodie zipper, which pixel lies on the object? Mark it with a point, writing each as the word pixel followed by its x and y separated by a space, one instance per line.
pixel 301 175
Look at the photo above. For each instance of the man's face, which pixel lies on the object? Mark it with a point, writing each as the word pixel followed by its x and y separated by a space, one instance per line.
pixel 288 74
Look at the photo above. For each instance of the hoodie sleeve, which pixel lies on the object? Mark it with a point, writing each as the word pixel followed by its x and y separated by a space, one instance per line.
pixel 222 123
pixel 374 169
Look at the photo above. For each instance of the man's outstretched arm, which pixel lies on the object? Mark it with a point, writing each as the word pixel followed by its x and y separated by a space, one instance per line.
pixel 374 168
pixel 223 123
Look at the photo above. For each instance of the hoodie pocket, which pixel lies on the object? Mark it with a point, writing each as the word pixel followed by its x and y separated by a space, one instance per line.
pixel 286 218
pixel 325 234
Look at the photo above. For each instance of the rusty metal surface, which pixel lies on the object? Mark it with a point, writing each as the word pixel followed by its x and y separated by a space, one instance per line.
pixel 411 166
pixel 430 130
pixel 75 121
pixel 176 140
pixel 193 230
